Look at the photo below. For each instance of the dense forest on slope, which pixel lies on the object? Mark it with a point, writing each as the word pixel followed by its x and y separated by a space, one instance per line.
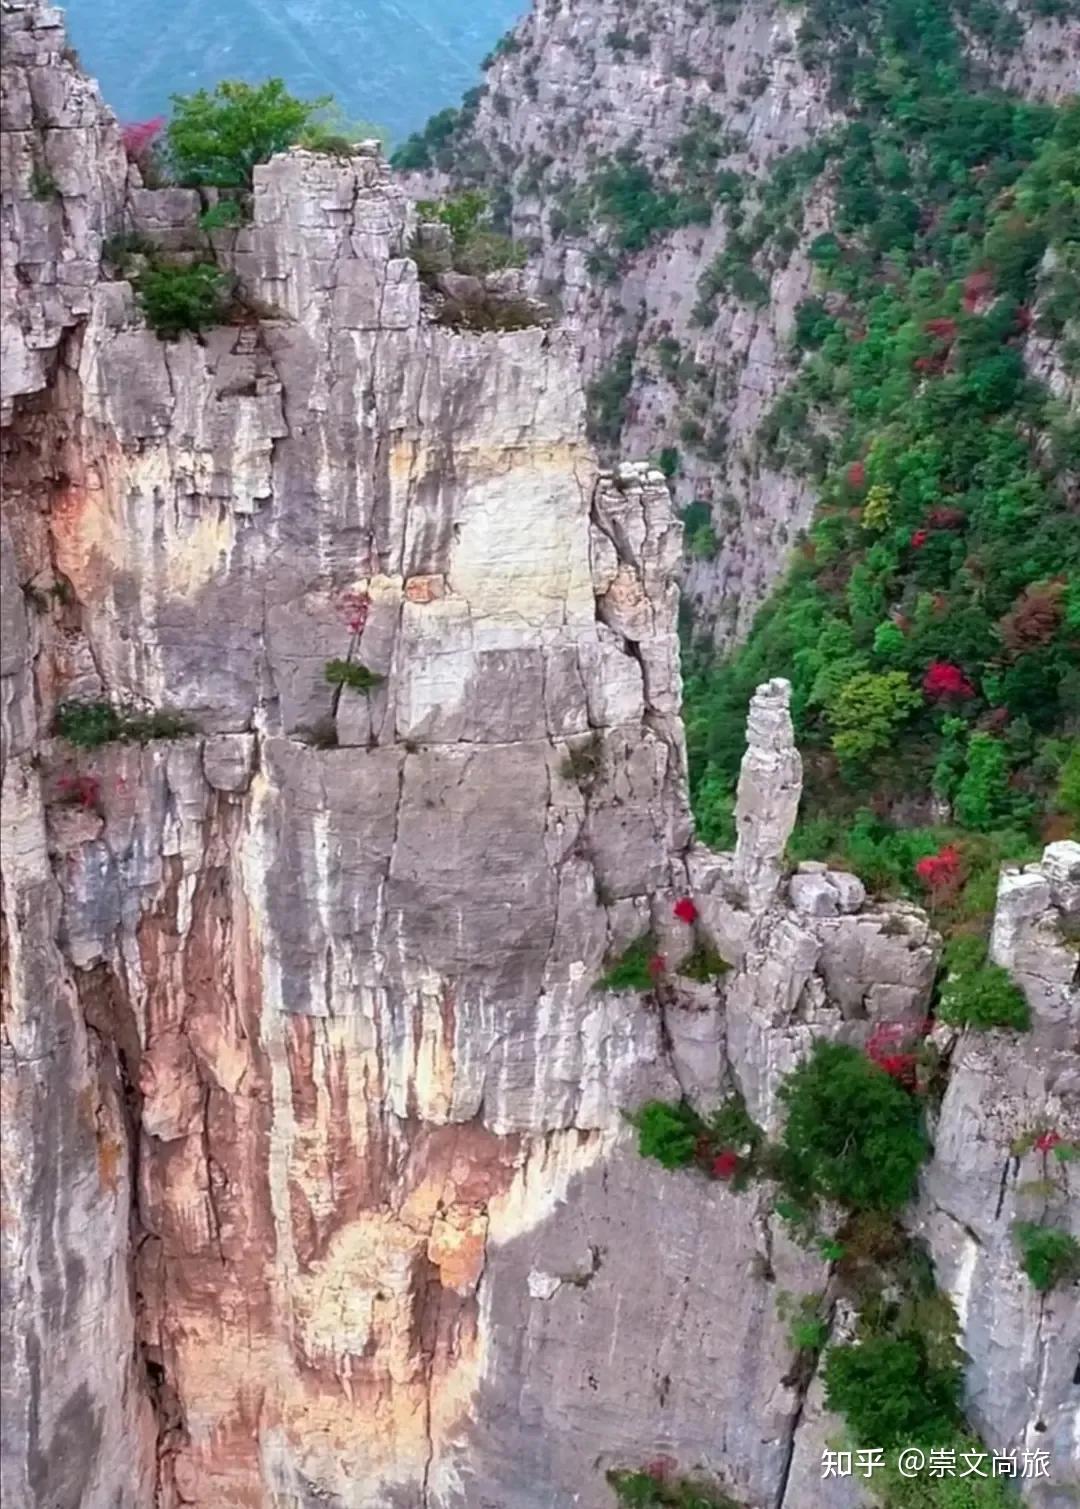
pixel 930 622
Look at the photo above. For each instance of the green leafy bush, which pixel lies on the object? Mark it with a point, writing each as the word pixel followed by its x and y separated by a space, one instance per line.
pixel 227 214
pixel 890 1394
pixel 176 299
pixel 852 1134
pixel 984 799
pixel 976 993
pixel 700 537
pixel 218 138
pixel 651 1490
pixel 1048 1255
pixel 478 248
pixel 728 1145
pixel 866 710
pixel 628 197
pixel 91 724
pixel 668 1132
pixel 704 964
pixel 352 674
pixel 431 146
pixel 808 1325
pixel 634 969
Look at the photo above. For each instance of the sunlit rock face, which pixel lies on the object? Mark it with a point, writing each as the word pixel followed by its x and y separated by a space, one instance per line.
pixel 318 1185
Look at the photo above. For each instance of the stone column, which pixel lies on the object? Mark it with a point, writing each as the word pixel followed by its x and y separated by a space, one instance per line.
pixel 770 785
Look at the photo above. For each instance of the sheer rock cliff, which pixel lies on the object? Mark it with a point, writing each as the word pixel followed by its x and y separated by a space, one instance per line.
pixel 318 1188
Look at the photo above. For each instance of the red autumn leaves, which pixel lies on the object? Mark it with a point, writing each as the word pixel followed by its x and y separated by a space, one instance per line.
pixel 79 790
pixel 944 680
pixel 942 872
pixel 888 1047
pixel 355 607
pixel 685 910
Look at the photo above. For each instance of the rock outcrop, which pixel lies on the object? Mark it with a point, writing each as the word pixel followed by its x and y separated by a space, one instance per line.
pixel 723 89
pixel 318 1185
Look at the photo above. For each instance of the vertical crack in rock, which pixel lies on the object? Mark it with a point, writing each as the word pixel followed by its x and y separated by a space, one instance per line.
pixel 307 1038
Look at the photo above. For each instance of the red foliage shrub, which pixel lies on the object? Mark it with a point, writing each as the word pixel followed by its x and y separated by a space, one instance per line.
pixel 657 965
pixel 945 680
pixel 944 517
pixel 660 1468
pixel 977 286
pixel 1023 318
pixel 856 474
pixel 355 607
pixel 141 136
pixel 941 873
pixel 685 909
pixel 1034 618
pixel 884 1048
pixel 919 538
pixel 79 790
pixel 725 1163
pixel 1048 1141
pixel 943 329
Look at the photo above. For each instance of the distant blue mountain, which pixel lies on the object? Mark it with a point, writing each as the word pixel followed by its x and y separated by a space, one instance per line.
pixel 394 62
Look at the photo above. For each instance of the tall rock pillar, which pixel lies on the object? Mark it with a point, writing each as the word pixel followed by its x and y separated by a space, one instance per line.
pixel 770 785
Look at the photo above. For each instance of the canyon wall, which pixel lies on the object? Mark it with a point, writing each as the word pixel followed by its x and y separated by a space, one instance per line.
pixel 718 87
pixel 318 1188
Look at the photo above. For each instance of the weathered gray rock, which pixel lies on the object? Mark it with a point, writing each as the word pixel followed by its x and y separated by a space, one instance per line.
pixel 767 802
pixel 303 1041
pixel 1032 940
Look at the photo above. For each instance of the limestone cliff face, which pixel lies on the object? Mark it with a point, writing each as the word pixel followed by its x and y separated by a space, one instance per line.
pixel 581 83
pixel 318 1189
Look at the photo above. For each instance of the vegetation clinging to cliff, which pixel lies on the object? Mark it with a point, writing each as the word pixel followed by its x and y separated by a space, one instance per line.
pixel 941 578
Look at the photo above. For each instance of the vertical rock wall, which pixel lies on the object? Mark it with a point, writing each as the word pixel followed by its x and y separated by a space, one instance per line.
pixel 318 1188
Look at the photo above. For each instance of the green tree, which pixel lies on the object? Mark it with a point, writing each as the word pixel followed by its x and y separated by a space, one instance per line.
pixel 889 1394
pixel 983 798
pixel 218 138
pixel 867 710
pixel 1068 790
pixel 852 1133
pixel 949 768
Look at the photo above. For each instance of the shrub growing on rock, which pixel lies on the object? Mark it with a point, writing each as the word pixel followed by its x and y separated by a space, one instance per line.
pixel 91 724
pixel 175 299
pixel 657 1487
pixel 853 1134
pixel 1048 1255
pixel 668 1132
pixel 976 993
pixel 634 969
pixel 703 965
pixel 352 674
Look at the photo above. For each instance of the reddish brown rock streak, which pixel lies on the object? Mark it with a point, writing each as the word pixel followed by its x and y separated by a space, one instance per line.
pixel 317 1185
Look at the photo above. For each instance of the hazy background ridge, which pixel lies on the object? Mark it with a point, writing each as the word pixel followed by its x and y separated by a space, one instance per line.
pixel 393 62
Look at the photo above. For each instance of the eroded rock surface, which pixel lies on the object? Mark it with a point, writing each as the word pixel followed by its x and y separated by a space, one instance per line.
pixel 318 1188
